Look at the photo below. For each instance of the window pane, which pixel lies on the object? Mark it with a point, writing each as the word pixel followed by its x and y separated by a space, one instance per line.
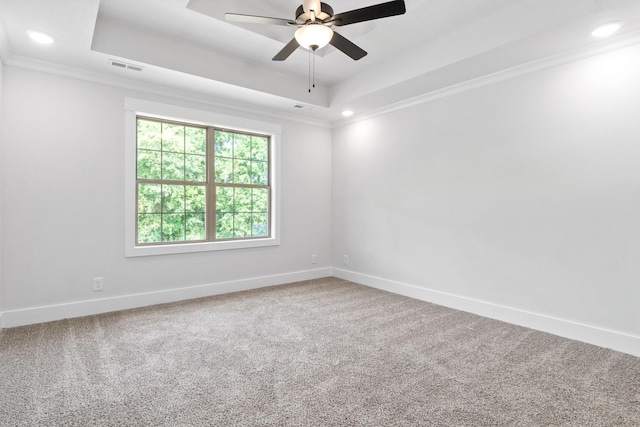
pixel 149 198
pixel 195 141
pixel 260 225
pixel 223 144
pixel 172 138
pixel 242 225
pixel 173 166
pixel 260 200
pixel 149 163
pixel 224 225
pixel 224 170
pixel 195 168
pixel 173 228
pixel 195 199
pixel 195 227
pixel 183 210
pixel 242 200
pixel 173 199
pixel 149 228
pixel 224 199
pixel 241 146
pixel 242 171
pixel 242 212
pixel 259 173
pixel 149 135
pixel 259 148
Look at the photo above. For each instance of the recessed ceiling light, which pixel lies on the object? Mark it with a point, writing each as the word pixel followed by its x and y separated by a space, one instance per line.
pixel 606 30
pixel 40 37
pixel 347 113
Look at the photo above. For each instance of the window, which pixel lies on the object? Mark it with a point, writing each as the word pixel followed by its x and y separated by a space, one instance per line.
pixel 200 187
pixel 178 201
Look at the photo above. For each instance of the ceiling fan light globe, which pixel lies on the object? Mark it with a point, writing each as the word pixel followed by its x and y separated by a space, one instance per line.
pixel 314 36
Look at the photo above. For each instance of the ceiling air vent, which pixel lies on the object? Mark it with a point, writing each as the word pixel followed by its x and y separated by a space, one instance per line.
pixel 125 65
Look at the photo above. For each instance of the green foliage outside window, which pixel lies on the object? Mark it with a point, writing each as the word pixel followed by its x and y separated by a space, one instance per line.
pixel 241 159
pixel 171 152
pixel 173 187
pixel 241 212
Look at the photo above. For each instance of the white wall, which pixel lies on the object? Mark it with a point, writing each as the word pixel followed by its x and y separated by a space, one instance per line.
pixel 1 177
pixel 518 197
pixel 63 206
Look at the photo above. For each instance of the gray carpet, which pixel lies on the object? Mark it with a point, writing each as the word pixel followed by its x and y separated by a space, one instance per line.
pixel 319 353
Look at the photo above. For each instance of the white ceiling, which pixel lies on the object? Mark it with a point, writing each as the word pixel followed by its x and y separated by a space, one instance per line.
pixel 187 45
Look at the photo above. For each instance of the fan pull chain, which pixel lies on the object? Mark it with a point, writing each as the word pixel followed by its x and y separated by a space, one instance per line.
pixel 312 71
pixel 309 82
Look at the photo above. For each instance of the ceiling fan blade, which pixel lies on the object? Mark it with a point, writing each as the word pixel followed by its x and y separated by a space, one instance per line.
pixel 252 19
pixel 287 50
pixel 347 47
pixel 382 10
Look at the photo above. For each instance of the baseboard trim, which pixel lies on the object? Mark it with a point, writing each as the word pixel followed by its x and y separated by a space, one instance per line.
pixel 614 340
pixel 29 316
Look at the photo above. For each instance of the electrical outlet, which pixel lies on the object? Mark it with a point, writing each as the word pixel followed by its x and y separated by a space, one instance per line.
pixel 314 259
pixel 98 284
pixel 345 260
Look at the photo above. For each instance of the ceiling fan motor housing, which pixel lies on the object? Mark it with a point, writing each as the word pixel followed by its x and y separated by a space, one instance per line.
pixel 326 12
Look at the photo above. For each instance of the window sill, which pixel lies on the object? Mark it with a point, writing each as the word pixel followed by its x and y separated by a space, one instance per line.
pixel 183 248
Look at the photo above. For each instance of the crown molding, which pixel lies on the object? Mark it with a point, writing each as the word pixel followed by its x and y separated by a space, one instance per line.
pixel 157 89
pixel 531 67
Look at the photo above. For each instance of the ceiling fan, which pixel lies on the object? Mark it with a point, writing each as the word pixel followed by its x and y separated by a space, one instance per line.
pixel 314 20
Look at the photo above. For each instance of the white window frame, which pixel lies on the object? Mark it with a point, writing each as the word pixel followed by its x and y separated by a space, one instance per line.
pixel 138 107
